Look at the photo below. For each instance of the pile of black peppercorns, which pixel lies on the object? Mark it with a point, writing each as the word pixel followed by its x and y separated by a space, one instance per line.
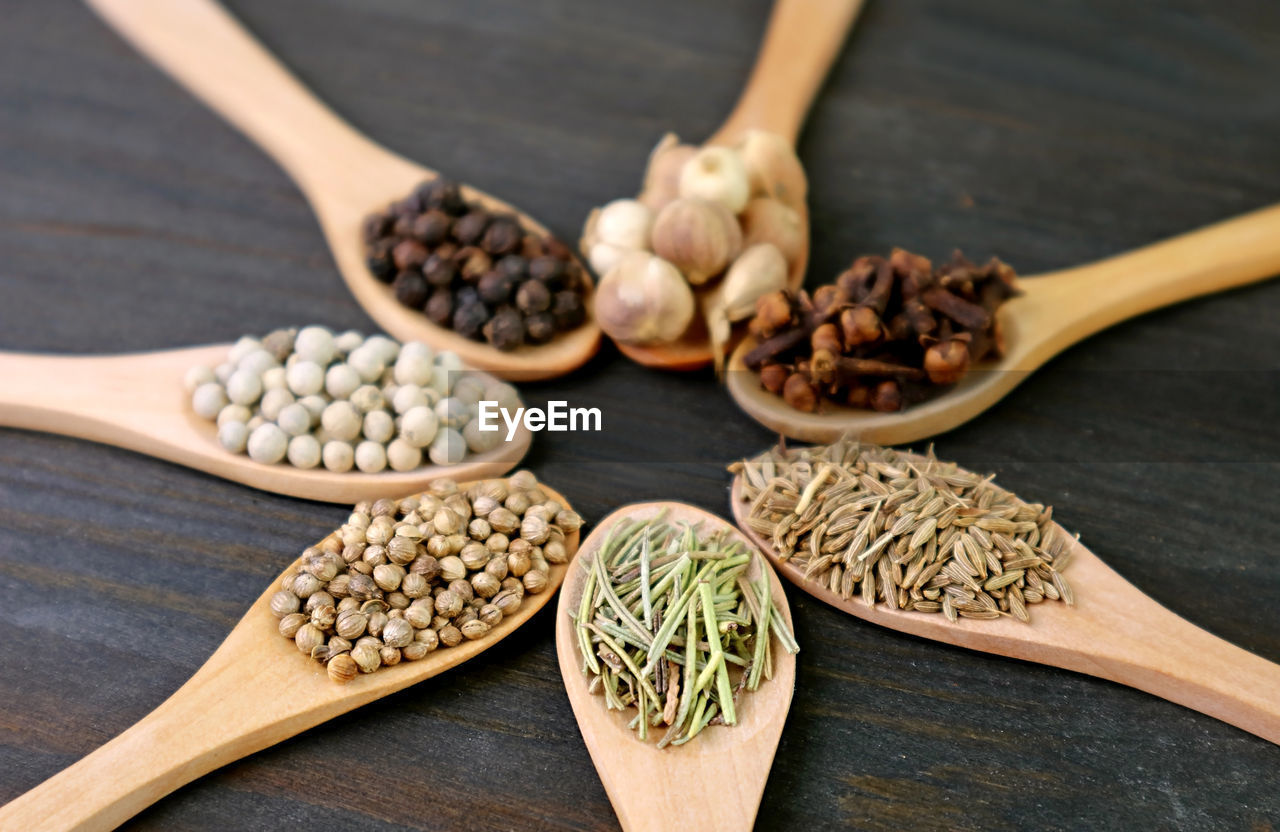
pixel 475 272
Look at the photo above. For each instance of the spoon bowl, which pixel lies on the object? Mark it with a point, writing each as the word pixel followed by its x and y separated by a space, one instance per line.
pixel 138 402
pixel 254 691
pixel 344 175
pixel 1113 631
pixel 800 44
pixel 1055 311
pixel 716 781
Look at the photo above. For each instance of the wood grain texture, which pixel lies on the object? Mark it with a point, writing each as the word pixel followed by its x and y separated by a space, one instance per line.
pixel 1050 134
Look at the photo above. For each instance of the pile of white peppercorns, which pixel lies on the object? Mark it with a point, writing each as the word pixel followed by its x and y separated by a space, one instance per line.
pixel 402 578
pixel 311 397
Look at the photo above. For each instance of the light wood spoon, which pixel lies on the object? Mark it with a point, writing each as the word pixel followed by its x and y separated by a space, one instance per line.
pixel 800 45
pixel 138 402
pixel 1114 631
pixel 254 691
pixel 714 783
pixel 1057 310
pixel 343 174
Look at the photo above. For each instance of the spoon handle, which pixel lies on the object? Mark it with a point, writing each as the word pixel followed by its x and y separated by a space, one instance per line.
pixel 245 698
pixel 202 46
pixel 1119 633
pixel 800 44
pixel 1077 302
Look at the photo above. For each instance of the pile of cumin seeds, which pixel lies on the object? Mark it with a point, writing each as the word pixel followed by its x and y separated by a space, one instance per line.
pixel 906 530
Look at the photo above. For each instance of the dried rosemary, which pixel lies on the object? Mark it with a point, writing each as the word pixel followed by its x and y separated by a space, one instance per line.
pixel 670 624
pixel 906 530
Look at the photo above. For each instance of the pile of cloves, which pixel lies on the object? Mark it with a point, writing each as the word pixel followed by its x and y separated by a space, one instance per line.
pixel 888 333
pixel 478 273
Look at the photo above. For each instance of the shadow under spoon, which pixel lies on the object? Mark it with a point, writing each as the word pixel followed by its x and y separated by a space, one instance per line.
pixel 802 41
pixel 1057 310
pixel 138 402
pixel 716 781
pixel 343 174
pixel 254 691
pixel 1114 631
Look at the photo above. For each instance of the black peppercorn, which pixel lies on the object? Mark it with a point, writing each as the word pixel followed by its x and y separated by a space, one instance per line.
pixel 503 236
pixel 439 307
pixel 540 328
pixel 410 206
pixel 380 262
pixel 409 254
pixel 376 226
pixel 515 266
pixel 410 289
pixel 554 248
pixel 530 247
pixel 567 310
pixel 439 271
pixel 465 296
pixel 547 269
pixel 469 228
pixel 505 330
pixel 432 228
pixel 495 287
pixel 442 194
pixel 472 262
pixel 468 319
pixel 402 226
pixel 532 297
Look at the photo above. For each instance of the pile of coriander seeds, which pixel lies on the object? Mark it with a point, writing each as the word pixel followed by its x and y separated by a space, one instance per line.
pixel 311 397
pixel 403 578
pixel 479 273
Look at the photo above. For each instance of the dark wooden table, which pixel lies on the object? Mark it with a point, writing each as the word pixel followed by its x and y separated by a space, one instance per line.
pixel 1047 133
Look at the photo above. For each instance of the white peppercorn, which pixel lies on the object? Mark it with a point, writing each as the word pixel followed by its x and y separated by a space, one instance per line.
pixel 367 363
pixel 415 364
pixel 452 413
pixel 480 441
pixel 403 456
pixel 347 341
pixel 256 362
pixel 267 444
pixel 371 457
pixel 304 452
pixel 234 437
pixel 378 426
pixel 338 456
pixel 273 379
pixel 340 381
pixel 294 419
pixel 448 448
pixel 315 344
pixel 273 401
pixel 407 397
pixel 342 421
pixel 208 400
pixel 234 413
pixel 305 378
pixel 367 398
pixel 197 376
pixel 419 426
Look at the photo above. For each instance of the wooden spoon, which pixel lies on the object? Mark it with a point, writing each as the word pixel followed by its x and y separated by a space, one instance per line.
pixel 343 174
pixel 800 45
pixel 1057 310
pixel 254 691
pixel 716 781
pixel 138 402
pixel 1114 631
